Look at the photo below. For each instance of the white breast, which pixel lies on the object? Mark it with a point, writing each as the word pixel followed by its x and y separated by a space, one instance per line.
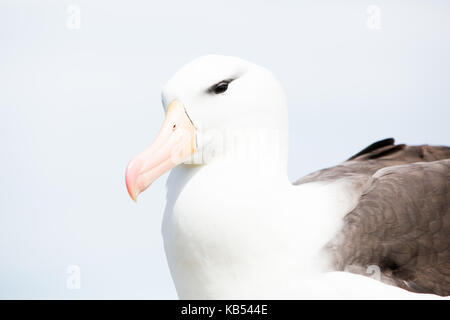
pixel 229 230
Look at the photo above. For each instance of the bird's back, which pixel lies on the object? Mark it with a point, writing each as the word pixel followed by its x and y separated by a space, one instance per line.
pixel 401 223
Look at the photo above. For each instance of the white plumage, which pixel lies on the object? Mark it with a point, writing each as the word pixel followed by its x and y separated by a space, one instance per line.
pixel 234 225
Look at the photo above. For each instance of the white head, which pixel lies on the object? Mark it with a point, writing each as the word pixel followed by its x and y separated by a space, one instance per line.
pixel 217 107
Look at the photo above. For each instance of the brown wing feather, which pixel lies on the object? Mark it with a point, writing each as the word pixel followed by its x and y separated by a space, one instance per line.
pixel 402 225
pixel 402 221
pixel 378 155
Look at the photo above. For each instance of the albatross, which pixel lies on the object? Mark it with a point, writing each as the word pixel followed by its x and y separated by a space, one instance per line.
pixel 234 227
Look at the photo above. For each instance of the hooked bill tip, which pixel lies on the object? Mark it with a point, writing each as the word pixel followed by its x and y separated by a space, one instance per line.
pixel 131 174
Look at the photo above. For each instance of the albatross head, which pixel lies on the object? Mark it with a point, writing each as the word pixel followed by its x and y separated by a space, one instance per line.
pixel 216 107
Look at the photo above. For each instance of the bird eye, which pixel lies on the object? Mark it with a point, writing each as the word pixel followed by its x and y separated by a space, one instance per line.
pixel 221 87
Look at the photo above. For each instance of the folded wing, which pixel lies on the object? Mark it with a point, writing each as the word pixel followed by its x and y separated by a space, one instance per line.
pixel 401 223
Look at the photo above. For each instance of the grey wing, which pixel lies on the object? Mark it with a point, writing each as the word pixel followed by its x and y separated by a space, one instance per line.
pixel 383 153
pixel 402 225
pixel 402 221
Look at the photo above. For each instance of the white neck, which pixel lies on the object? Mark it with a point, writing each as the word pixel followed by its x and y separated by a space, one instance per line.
pixel 265 149
pixel 225 220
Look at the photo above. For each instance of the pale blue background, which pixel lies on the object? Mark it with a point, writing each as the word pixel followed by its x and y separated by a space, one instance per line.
pixel 76 105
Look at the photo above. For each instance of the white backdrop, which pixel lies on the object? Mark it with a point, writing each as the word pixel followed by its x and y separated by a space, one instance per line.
pixel 79 98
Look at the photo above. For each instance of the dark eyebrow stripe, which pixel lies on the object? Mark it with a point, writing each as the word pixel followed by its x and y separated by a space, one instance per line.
pixel 214 86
